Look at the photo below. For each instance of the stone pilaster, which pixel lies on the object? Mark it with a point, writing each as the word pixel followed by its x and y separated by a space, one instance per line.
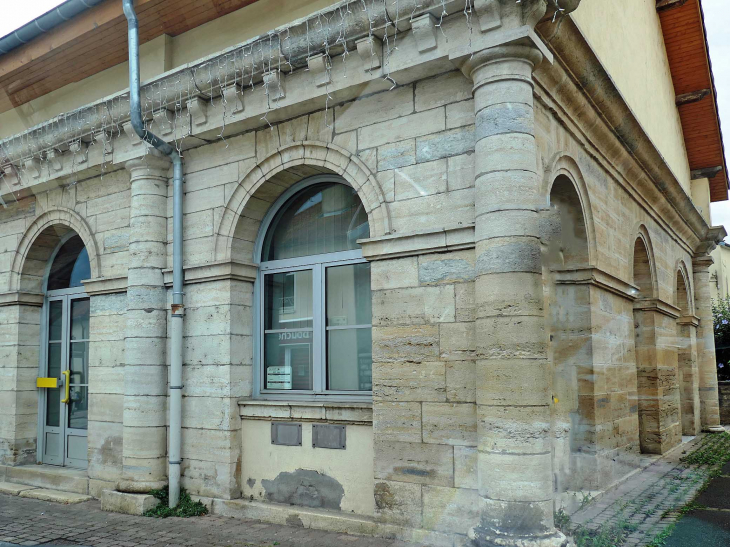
pixel 513 372
pixel 688 374
pixel 706 364
pixel 657 377
pixel 19 339
pixel 145 373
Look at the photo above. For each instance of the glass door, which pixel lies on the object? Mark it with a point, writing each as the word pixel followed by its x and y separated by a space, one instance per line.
pixel 64 437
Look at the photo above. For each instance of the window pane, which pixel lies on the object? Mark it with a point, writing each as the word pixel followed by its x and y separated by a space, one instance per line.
pixel 323 218
pixel 70 265
pixel 288 300
pixel 288 360
pixel 80 319
pixel 348 295
pixel 55 320
pixel 53 407
pixel 350 359
pixel 78 408
pixel 54 360
pixel 81 270
pixel 79 362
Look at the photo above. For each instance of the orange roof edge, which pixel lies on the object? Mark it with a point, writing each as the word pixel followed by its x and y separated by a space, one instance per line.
pixel 685 41
pixel 714 101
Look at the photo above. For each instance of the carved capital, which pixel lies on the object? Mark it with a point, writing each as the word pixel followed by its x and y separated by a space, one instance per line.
pixel 516 52
pixel 151 165
pixel 702 263
pixel 494 14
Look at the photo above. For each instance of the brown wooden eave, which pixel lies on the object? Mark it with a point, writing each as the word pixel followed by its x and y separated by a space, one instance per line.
pixel 685 40
pixel 94 41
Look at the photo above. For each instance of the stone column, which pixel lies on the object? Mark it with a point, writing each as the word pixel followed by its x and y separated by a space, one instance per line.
pixel 706 365
pixel 145 371
pixel 689 381
pixel 513 372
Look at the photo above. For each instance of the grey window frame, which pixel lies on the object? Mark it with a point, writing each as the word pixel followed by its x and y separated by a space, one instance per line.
pixel 318 264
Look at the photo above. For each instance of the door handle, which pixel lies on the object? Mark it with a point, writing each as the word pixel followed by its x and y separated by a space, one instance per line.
pixel 46 382
pixel 66 386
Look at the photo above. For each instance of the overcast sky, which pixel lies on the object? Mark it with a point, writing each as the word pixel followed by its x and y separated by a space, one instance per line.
pixel 717 19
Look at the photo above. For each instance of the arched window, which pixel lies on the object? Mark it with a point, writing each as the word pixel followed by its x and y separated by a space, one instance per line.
pixel 70 266
pixel 314 290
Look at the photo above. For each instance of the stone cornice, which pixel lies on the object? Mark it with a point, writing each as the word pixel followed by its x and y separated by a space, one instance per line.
pixel 657 305
pixel 105 285
pixel 21 298
pixel 306 411
pixel 417 243
pixel 691 320
pixel 597 277
pixel 633 153
pixel 216 271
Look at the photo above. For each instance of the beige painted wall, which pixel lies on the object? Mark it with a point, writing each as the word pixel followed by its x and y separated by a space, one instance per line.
pixel 352 467
pixel 160 55
pixel 720 272
pixel 701 198
pixel 154 59
pixel 626 35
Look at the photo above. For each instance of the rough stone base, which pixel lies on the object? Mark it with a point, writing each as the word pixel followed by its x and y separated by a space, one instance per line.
pixel 332 521
pixel 481 539
pixel 139 487
pixel 122 502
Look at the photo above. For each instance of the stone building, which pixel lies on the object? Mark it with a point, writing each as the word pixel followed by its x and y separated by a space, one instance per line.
pixel 444 265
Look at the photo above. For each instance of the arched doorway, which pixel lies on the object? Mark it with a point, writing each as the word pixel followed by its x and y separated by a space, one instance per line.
pixel 656 357
pixel 570 343
pixel 687 357
pixel 64 355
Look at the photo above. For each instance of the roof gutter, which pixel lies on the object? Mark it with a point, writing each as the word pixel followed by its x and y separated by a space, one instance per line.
pixel 48 21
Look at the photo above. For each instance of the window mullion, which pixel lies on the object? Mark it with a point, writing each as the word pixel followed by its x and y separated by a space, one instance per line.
pixel 323 331
pixel 317 326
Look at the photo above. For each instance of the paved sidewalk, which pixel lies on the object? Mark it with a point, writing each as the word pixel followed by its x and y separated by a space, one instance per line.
pixel 647 503
pixel 32 522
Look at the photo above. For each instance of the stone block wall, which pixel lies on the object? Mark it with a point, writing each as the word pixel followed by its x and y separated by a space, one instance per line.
pixel 107 320
pixel 216 374
pixel 424 390
pixel 19 354
pixel 724 388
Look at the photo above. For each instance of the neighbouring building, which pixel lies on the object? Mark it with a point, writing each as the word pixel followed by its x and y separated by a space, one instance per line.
pixel 445 264
pixel 720 271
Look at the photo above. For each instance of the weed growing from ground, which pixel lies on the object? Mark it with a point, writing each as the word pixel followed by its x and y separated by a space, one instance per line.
pixel 186 508
pixel 714 450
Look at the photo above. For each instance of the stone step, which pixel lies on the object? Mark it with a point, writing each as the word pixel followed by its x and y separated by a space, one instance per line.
pixel 13 489
pixel 50 477
pixel 57 496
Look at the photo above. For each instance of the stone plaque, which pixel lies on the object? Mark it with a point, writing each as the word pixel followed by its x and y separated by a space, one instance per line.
pixel 286 433
pixel 328 436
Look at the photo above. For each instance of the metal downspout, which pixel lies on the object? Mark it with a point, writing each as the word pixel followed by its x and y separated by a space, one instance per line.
pixel 177 252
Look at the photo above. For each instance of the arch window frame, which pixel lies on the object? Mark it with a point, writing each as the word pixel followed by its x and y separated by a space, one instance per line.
pixel 69 295
pixel 318 265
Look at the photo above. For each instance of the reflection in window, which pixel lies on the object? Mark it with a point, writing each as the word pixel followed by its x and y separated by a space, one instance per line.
pixel 70 266
pixel 323 218
pixel 316 305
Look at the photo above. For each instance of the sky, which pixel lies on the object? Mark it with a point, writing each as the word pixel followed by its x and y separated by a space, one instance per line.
pixel 717 20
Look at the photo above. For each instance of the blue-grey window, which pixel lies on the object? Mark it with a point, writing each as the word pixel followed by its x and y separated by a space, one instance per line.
pixel 314 295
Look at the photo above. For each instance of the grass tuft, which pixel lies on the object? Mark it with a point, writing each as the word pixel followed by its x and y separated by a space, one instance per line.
pixel 186 508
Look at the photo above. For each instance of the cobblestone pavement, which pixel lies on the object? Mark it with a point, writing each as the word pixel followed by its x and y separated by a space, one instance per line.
pixel 647 502
pixel 32 522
